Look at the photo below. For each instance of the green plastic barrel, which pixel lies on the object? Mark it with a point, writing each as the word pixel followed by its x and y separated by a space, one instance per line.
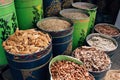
pixel 89 8
pixel 80 26
pixel 8 24
pixel 29 12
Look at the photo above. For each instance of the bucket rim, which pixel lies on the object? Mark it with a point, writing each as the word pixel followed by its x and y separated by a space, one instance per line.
pixel 61 18
pixel 62 43
pixel 85 3
pixel 65 57
pixel 104 36
pixel 65 35
pixel 7 4
pixel 113 26
pixel 73 9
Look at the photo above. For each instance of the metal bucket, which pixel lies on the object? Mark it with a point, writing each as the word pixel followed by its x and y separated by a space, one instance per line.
pixel 117 36
pixel 92 10
pixel 109 53
pixel 30 66
pixel 51 7
pixel 28 13
pixel 8 24
pixel 80 27
pixel 101 74
pixel 61 39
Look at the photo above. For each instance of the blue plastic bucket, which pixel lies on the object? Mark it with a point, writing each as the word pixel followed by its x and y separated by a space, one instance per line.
pixel 62 40
pixel 32 66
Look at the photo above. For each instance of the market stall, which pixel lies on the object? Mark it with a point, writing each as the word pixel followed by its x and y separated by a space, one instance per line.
pixel 56 40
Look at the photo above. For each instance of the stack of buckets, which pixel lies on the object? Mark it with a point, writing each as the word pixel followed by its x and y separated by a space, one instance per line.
pixel 8 24
pixel 28 14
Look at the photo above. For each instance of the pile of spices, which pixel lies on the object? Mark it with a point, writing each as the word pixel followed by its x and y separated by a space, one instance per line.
pixel 67 70
pixel 107 30
pixel 82 5
pixel 113 75
pixel 54 25
pixel 102 43
pixel 26 42
pixel 93 59
pixel 74 14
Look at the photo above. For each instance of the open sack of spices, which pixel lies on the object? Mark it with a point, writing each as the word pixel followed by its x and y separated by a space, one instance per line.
pixel 68 68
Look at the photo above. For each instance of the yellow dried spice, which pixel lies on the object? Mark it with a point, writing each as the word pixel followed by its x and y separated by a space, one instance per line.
pixel 26 42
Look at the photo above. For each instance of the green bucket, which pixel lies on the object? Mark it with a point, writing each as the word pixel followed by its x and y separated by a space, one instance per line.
pixel 29 12
pixel 89 8
pixel 80 27
pixel 8 24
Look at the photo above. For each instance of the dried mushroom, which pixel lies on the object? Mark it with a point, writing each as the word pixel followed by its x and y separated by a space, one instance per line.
pixel 93 59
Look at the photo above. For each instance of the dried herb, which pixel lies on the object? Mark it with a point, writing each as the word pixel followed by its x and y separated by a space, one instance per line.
pixel 66 3
pixel 54 8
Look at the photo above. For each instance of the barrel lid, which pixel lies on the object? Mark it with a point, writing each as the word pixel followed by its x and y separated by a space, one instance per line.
pixel 5 2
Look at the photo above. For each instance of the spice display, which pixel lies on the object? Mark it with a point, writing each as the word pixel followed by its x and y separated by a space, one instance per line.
pixel 101 43
pixel 54 25
pixel 26 42
pixel 93 59
pixel 74 14
pixel 107 29
pixel 67 70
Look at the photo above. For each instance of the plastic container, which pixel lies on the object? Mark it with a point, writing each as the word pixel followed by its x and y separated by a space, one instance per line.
pixel 80 27
pixel 8 24
pixel 92 10
pixel 101 74
pixel 28 13
pixel 66 58
pixel 109 53
pixel 61 39
pixel 30 66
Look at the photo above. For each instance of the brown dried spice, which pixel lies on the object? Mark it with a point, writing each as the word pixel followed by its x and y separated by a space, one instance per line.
pixel 26 42
pixel 67 70
pixel 93 59
pixel 107 30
